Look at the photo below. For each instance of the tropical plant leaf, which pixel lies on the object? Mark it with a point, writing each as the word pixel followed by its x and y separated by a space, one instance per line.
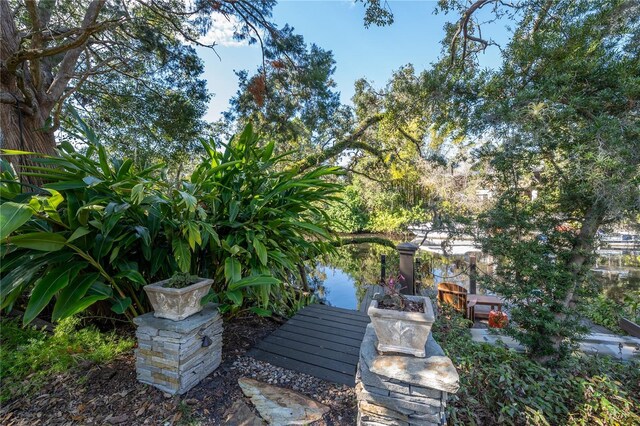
pixel 235 296
pixel 47 286
pixel 79 232
pixel 182 254
pixel 132 275
pixel 232 270
pixel 71 298
pixel 120 305
pixel 253 281
pixel 261 311
pixel 13 216
pixel 43 241
pixel 261 251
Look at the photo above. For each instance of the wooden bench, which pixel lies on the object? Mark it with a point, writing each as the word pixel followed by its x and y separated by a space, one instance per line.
pixel 458 297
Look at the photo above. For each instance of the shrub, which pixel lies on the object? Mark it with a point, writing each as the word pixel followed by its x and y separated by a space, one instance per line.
pixel 99 229
pixel 29 355
pixel 498 385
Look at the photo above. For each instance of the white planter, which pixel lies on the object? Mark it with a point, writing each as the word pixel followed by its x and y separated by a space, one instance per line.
pixel 177 303
pixel 403 332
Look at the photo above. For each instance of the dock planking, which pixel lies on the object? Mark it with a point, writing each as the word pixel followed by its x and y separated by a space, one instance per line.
pixel 322 341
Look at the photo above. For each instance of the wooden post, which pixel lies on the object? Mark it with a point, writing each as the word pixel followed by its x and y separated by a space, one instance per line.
pixel 472 274
pixel 407 252
pixel 383 268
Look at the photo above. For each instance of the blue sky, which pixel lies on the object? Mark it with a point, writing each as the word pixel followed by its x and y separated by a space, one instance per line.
pixel 337 25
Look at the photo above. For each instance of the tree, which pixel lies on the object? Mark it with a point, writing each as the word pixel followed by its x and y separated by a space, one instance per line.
pixel 560 121
pixel 106 57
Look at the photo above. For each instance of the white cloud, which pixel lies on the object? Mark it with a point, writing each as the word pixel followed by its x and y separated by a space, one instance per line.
pixel 221 32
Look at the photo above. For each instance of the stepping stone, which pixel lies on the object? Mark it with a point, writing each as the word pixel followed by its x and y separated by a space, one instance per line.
pixel 281 406
pixel 239 414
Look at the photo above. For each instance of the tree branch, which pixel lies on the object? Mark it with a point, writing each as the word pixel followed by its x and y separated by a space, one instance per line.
pixel 71 57
pixel 350 142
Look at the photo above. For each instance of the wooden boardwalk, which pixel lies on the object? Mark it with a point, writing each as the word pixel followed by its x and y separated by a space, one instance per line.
pixel 319 340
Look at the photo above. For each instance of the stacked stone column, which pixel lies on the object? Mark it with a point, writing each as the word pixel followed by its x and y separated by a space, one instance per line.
pixel 402 390
pixel 174 356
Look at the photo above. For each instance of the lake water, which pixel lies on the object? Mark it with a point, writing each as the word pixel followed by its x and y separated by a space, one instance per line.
pixel 342 280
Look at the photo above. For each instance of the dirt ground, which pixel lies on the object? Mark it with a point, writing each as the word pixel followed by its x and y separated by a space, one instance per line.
pixel 111 395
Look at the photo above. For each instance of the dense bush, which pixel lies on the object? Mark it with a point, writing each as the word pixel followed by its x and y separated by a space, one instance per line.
pixel 29 356
pixel 607 312
pixel 498 385
pixel 99 229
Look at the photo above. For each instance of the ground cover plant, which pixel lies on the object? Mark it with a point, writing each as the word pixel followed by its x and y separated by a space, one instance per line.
pixel 98 229
pixel 498 385
pixel 30 356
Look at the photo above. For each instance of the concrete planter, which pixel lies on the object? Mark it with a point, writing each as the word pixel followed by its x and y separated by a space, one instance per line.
pixel 403 332
pixel 177 303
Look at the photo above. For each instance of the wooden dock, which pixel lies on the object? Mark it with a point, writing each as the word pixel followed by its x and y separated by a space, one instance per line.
pixel 319 340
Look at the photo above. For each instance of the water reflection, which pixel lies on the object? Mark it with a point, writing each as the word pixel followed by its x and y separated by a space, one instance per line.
pixel 342 280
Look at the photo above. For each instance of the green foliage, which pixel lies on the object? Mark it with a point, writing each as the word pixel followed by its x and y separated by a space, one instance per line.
pixel 378 208
pixel 101 228
pixel 181 280
pixel 29 356
pixel 498 385
pixel 350 215
pixel 558 119
pixel 607 312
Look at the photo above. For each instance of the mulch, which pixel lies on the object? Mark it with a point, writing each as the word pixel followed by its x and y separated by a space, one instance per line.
pixel 109 394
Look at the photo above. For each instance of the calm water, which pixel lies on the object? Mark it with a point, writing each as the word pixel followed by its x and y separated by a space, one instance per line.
pixel 342 280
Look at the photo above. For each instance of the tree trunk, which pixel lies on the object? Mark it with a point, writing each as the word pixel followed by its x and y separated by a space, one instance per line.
pixel 579 256
pixel 21 122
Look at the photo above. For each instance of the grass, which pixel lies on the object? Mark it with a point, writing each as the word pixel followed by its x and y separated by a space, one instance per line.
pixel 28 356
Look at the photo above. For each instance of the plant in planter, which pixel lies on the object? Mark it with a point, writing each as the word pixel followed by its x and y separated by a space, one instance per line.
pixel 178 297
pixel 402 323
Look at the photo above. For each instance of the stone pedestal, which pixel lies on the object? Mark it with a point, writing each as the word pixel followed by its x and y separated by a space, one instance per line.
pixel 174 356
pixel 403 390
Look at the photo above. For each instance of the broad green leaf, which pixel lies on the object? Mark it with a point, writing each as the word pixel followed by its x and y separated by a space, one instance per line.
pixel 253 281
pixel 55 199
pixel 144 234
pixel 311 227
pixel 261 312
pixel 100 289
pixel 132 275
pixel 189 200
pixel 63 186
pixel 182 254
pixel 17 152
pixel 234 208
pixel 12 217
pixel 267 152
pixel 232 270
pixel 104 163
pixel 43 241
pixel 261 251
pixel 79 232
pixel 103 245
pixel 91 181
pixel 121 305
pixel 137 194
pixel 193 234
pixel 158 259
pixel 44 289
pixel 70 300
pixel 235 297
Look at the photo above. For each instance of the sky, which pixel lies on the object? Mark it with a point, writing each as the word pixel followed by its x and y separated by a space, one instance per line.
pixel 337 25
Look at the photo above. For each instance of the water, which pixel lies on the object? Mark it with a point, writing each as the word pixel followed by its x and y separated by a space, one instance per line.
pixel 342 280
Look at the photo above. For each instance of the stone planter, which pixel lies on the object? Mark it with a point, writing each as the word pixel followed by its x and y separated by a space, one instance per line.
pixel 177 303
pixel 403 332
